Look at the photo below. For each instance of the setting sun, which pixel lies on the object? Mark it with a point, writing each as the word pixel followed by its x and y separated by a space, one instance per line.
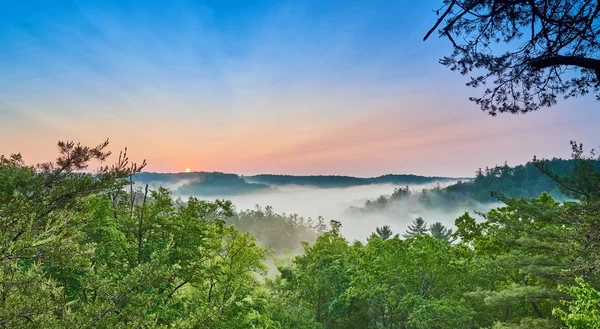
pixel 188 170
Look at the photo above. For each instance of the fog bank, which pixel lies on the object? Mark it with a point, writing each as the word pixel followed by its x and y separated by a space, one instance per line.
pixel 334 204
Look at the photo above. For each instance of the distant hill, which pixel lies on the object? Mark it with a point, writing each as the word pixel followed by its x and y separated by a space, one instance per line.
pixel 224 184
pixel 519 181
pixel 201 183
pixel 171 178
pixel 220 184
pixel 329 181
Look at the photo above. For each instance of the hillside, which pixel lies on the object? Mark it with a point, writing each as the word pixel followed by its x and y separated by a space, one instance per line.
pixel 525 181
pixel 200 183
pixel 331 181
pixel 226 184
pixel 519 181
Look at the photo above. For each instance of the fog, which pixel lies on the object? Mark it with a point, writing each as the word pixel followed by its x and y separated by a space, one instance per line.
pixel 154 185
pixel 335 203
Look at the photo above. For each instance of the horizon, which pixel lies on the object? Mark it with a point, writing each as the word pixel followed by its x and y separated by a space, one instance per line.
pixel 343 88
pixel 307 175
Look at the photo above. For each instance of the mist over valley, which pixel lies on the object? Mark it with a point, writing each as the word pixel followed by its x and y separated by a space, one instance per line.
pixel 362 204
pixel 105 102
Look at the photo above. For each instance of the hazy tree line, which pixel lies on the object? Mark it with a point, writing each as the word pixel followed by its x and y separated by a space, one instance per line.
pixel 528 180
pixel 331 181
pixel 222 184
pixel 278 232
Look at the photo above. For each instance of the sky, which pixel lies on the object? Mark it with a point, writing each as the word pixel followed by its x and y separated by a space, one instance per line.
pixel 289 87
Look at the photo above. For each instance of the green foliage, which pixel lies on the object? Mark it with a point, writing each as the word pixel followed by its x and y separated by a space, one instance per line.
pixel 439 231
pixel 442 313
pixel 584 310
pixel 41 259
pixel 386 283
pixel 277 231
pixel 526 249
pixel 78 251
pixel 84 250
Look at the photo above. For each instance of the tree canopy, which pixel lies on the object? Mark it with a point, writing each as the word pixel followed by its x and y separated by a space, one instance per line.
pixel 83 250
pixel 524 53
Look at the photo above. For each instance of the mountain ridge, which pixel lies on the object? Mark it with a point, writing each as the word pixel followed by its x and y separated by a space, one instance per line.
pixel 226 184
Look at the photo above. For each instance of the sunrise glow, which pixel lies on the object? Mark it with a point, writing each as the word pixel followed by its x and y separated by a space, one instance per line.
pixel 365 100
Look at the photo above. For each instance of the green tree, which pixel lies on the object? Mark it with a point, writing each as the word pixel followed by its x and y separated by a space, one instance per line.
pixel 442 314
pixel 439 231
pixel 321 277
pixel 277 231
pixel 395 282
pixel 384 232
pixel 525 250
pixel 418 228
pixel 79 250
pixel 584 309
pixel 40 258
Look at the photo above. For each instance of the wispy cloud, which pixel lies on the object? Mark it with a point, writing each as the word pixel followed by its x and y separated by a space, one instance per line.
pixel 303 87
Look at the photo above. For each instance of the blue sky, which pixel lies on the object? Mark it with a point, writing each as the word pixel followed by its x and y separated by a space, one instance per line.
pixel 303 87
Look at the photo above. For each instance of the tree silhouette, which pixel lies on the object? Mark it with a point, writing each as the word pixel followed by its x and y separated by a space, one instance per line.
pixel 401 192
pixel 553 50
pixel 418 228
pixel 384 232
pixel 439 231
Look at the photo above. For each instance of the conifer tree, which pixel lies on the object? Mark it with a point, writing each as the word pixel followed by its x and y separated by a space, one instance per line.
pixel 384 232
pixel 441 232
pixel 418 228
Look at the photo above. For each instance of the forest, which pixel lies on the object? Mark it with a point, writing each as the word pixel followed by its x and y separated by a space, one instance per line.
pixel 90 250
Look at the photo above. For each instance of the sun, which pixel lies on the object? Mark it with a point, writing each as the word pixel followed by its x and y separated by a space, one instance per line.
pixel 188 170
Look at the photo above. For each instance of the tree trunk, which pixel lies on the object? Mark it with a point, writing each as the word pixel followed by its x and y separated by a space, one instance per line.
pixel 140 226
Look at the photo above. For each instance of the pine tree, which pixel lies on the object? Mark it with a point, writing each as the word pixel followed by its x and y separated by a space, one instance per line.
pixel 384 232
pixel 441 232
pixel 418 228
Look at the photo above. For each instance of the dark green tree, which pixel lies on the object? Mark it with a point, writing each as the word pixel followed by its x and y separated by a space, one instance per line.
pixel 401 193
pixel 552 50
pixel 441 232
pixel 384 232
pixel 418 228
